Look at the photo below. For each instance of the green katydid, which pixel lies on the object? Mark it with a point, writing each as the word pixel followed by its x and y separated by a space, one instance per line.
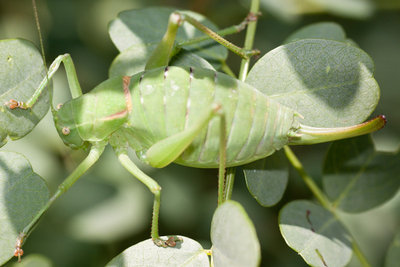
pixel 192 116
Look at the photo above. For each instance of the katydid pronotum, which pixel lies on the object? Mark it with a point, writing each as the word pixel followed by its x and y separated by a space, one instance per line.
pixel 192 116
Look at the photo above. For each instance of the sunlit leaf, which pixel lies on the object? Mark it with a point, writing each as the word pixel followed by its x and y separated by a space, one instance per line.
pixel 186 253
pixel 330 83
pixel 23 193
pixel 267 178
pixel 315 234
pixel 21 70
pixel 357 178
pixel 234 237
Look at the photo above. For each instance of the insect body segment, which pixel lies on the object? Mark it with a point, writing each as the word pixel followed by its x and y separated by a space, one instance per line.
pixel 164 105
pixel 156 104
pixel 96 115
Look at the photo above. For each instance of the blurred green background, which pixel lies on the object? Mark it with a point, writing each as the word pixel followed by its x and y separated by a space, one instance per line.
pixel 108 210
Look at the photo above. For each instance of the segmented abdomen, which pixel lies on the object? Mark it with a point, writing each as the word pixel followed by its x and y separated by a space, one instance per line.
pixel 166 101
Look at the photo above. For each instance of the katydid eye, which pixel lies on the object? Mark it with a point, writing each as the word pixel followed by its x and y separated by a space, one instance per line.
pixel 65 131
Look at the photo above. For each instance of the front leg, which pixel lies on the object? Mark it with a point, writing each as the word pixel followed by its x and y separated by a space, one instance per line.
pixel 94 154
pixel 72 81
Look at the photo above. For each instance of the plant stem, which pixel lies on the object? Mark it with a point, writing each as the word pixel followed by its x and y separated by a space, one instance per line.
pixel 250 33
pixel 248 45
pixel 322 199
pixel 356 249
pixel 222 161
pixel 230 179
pixel 307 179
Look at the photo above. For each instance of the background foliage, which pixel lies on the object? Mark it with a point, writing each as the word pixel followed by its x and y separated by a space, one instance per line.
pixel 73 233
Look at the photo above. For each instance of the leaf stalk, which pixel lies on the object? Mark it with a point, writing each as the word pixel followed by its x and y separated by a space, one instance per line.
pixel 249 39
pixel 251 20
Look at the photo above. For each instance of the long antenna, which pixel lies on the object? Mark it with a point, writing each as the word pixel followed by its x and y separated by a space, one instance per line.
pixel 35 13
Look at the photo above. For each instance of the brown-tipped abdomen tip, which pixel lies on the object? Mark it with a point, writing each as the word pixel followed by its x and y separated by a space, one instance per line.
pixel 383 119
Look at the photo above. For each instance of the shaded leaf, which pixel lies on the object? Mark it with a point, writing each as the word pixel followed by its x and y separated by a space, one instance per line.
pixel 330 83
pixel 186 253
pixel 23 193
pixel 358 178
pixel 145 28
pixel 133 60
pixel 320 30
pixel 267 178
pixel 315 234
pixel 21 71
pixel 234 237
pixel 393 254
pixel 185 58
pixel 106 223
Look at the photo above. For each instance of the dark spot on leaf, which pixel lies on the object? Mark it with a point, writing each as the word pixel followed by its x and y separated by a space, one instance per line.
pixel 321 257
pixel 308 212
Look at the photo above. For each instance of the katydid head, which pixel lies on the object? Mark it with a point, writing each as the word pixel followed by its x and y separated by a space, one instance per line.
pixel 66 127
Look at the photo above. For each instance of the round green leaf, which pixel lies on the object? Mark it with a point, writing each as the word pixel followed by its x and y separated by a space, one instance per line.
pixel 186 253
pixel 330 83
pixel 21 71
pixel 393 254
pixel 320 30
pixel 133 60
pixel 315 234
pixel 234 237
pixel 23 193
pixel 358 178
pixel 146 27
pixel 267 178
